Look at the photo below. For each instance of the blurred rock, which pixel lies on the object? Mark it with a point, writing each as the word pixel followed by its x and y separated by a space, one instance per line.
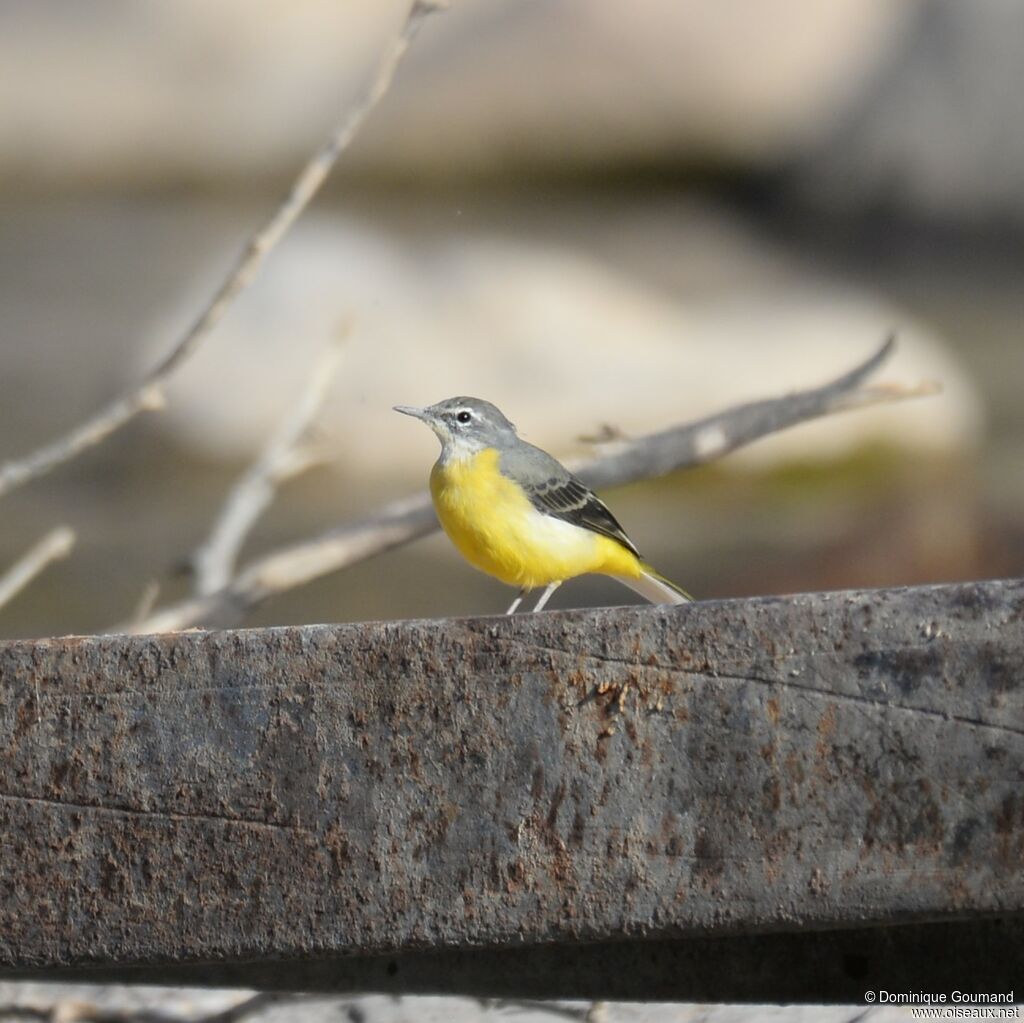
pixel 117 91
pixel 559 339
pixel 496 86
pixel 937 133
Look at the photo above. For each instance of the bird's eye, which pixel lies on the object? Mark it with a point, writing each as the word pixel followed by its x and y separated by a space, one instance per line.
pixel 464 416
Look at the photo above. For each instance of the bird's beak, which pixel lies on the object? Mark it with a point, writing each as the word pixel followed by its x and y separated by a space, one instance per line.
pixel 412 410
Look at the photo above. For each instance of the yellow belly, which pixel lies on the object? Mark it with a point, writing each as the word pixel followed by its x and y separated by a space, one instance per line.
pixel 496 528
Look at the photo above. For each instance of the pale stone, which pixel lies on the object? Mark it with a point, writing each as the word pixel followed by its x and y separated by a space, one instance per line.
pixel 197 90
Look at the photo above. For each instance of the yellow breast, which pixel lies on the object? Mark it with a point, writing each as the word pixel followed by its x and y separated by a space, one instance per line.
pixel 494 525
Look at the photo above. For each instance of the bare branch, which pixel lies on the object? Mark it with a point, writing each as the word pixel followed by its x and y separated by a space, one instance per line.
pixel 717 435
pixel 582 1014
pixel 147 600
pixel 284 457
pixel 403 521
pixel 147 394
pixel 397 523
pixel 55 545
pixel 257 1004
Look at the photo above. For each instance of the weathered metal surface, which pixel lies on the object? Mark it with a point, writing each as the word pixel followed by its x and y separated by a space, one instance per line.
pixel 409 789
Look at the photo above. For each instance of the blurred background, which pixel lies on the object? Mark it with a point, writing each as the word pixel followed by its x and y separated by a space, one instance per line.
pixel 591 213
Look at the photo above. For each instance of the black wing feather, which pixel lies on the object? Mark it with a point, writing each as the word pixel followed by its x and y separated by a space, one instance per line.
pixel 569 499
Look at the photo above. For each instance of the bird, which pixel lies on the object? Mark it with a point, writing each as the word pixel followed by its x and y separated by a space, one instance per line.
pixel 516 513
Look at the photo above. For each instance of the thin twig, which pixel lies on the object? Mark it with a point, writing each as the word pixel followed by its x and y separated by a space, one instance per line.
pixel 256 1004
pixel 397 523
pixel 55 545
pixel 147 600
pixel 403 521
pixel 582 1013
pixel 147 394
pixel 285 456
pixel 717 435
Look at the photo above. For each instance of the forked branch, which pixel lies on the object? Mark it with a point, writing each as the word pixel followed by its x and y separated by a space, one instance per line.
pixel 287 454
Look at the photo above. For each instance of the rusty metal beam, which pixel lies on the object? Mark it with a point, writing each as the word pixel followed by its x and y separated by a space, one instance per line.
pixel 774 798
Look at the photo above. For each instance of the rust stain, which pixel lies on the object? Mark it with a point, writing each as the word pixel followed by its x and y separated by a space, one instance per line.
pixel 827 722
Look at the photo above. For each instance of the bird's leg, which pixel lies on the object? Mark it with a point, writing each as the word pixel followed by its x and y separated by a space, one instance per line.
pixel 519 599
pixel 546 595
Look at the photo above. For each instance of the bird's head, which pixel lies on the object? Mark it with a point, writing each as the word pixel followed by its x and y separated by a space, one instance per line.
pixel 464 426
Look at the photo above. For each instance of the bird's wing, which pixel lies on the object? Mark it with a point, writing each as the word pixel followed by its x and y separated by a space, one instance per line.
pixel 554 490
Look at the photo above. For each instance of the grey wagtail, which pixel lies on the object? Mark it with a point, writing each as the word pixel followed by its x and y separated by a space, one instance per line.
pixel 516 513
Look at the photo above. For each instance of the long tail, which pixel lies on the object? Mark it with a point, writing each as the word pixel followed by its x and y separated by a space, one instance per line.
pixel 654 587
